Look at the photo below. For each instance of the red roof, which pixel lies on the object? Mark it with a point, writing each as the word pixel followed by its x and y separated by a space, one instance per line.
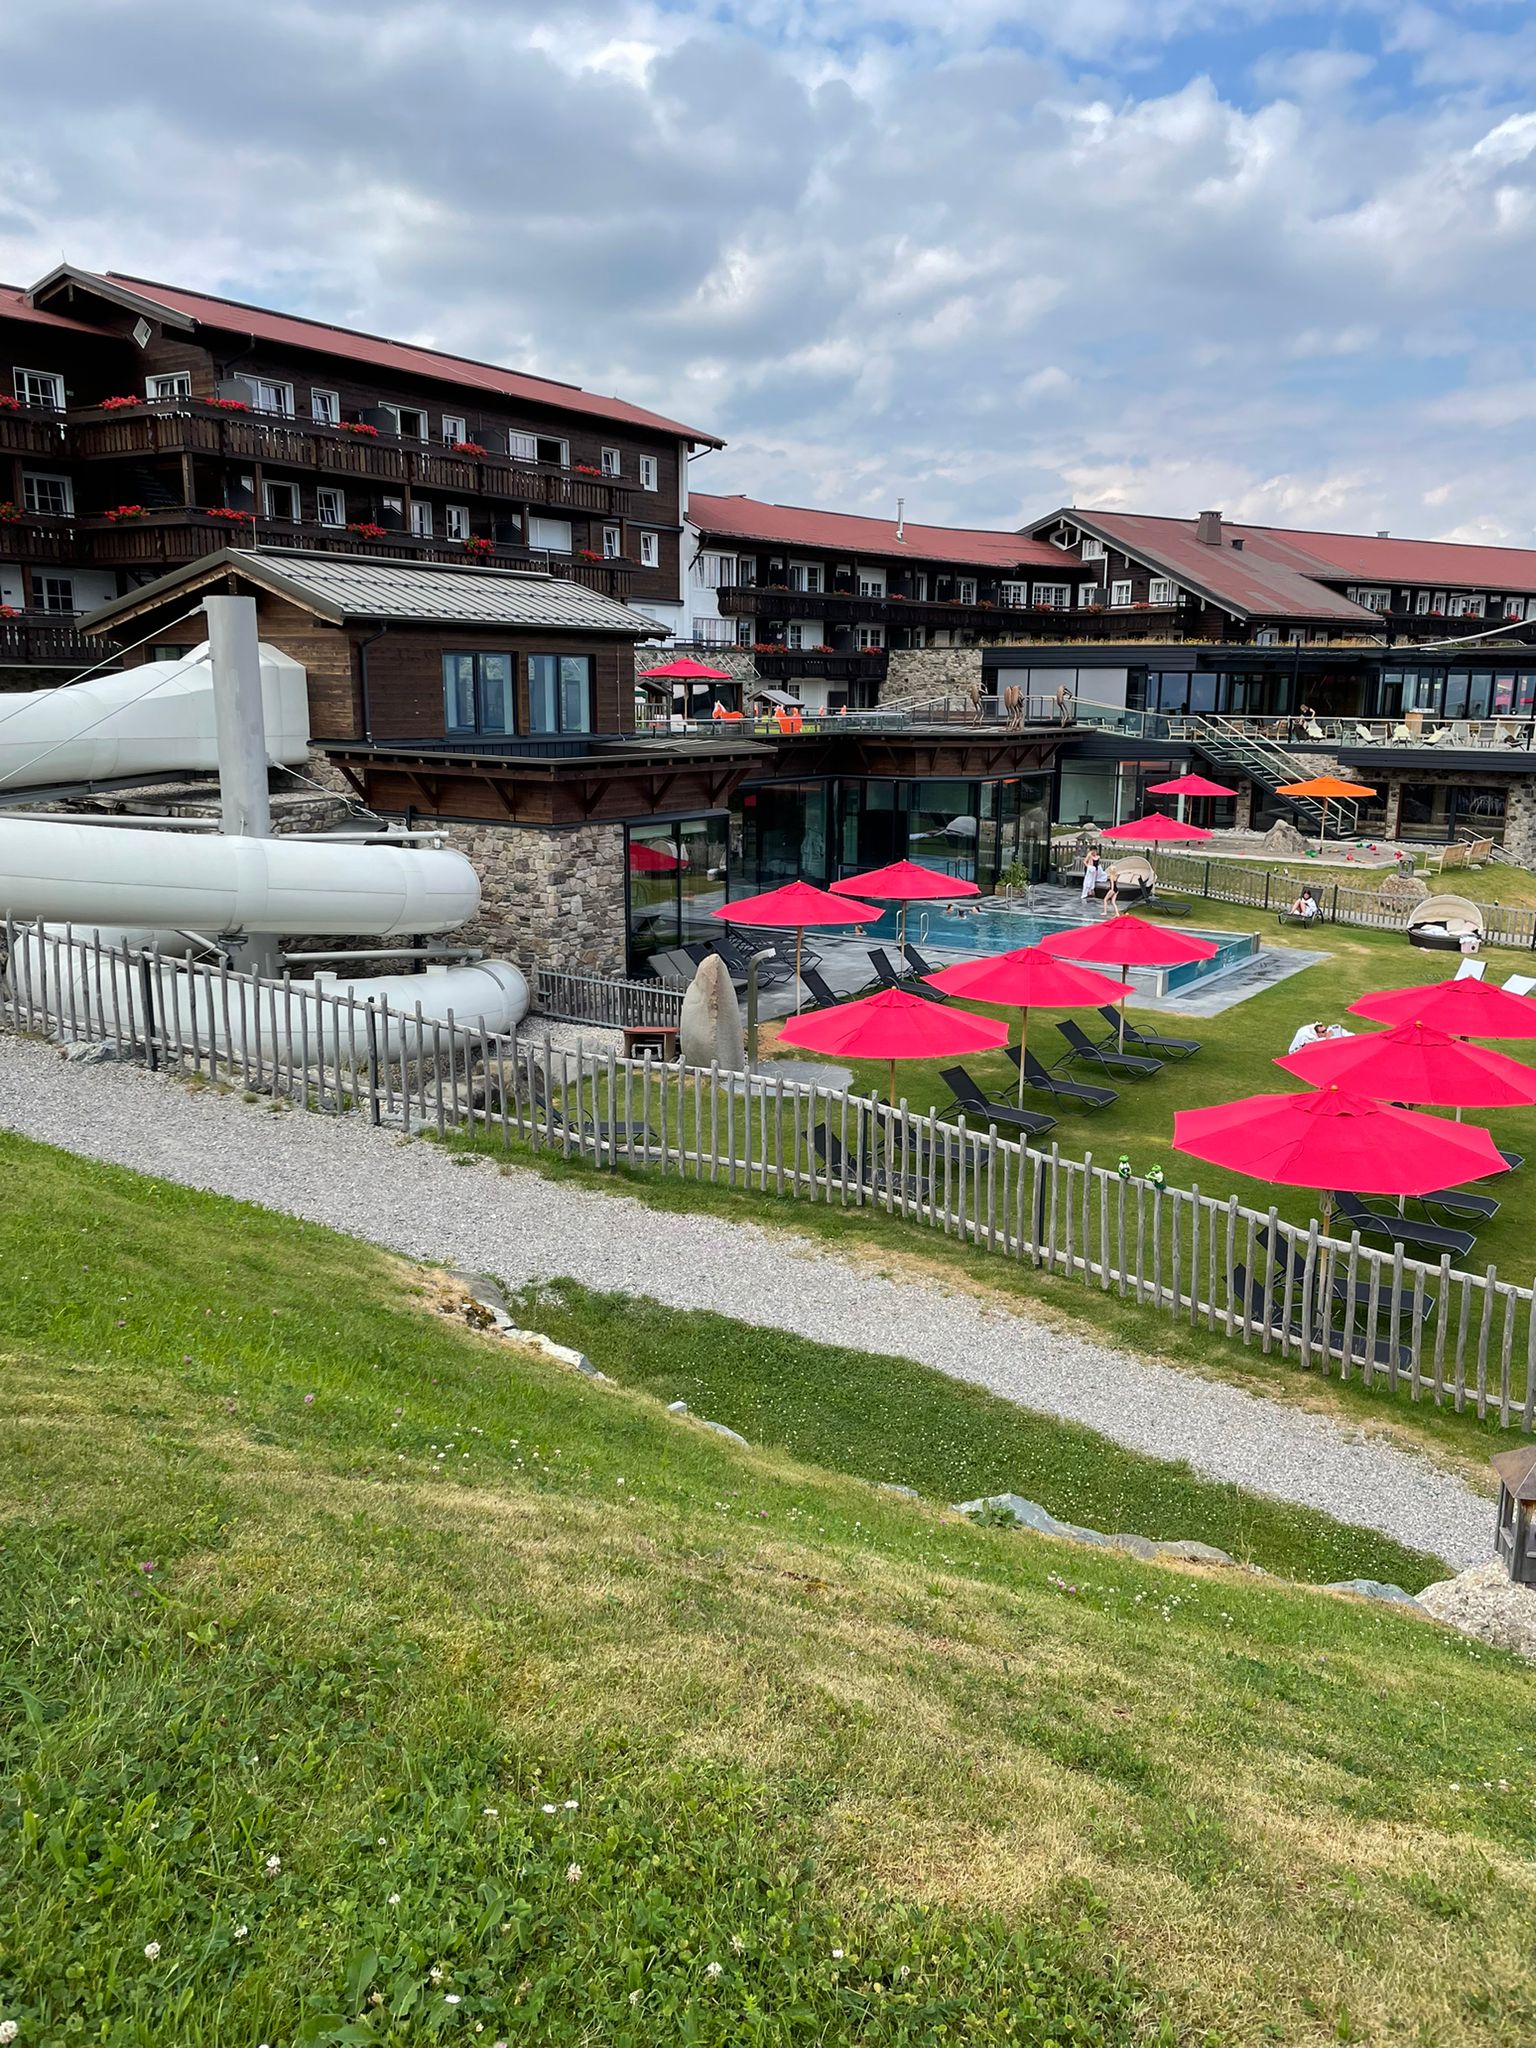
pixel 288 330
pixel 15 305
pixel 1282 571
pixel 1261 579
pixel 799 526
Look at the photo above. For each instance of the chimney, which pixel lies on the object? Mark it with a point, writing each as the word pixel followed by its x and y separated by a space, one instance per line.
pixel 1382 533
pixel 901 518
pixel 1208 529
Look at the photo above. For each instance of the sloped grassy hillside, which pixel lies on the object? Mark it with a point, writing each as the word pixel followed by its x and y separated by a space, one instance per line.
pixel 365 1683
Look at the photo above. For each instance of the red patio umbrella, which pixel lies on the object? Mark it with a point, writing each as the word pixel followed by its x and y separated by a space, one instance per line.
pixel 1416 1063
pixel 1334 1139
pixel 652 860
pixel 684 670
pixel 793 908
pixel 1028 978
pixel 1150 830
pixel 904 882
pixel 1129 941
pixel 1189 785
pixel 1467 1008
pixel 893 1025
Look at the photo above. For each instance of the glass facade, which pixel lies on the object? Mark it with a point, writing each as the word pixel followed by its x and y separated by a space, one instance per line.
pixel 477 693
pixel 676 875
pixel 560 692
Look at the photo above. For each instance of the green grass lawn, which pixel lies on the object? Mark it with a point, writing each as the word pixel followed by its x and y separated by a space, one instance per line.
pixel 364 1682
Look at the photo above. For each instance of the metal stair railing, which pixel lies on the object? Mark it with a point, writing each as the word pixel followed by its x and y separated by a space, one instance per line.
pixel 1229 744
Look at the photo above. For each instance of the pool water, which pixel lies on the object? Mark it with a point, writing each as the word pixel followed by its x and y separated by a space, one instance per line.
pixel 988 930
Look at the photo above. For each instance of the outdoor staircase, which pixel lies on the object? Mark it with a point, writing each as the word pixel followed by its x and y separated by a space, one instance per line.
pixel 1229 743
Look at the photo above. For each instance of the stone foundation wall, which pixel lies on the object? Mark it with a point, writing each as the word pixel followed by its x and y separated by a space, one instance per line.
pixel 547 897
pixel 919 673
pixel 1520 821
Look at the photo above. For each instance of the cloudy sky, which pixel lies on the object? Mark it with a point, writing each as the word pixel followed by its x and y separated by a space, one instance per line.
pixel 993 255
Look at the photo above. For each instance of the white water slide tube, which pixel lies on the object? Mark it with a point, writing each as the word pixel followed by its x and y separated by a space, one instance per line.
pixel 81 989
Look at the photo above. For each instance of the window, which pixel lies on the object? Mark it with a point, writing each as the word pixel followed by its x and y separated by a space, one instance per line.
pixel 477 693
pixel 1090 597
pixel 53 593
pixel 456 522
pixel 1162 590
pixel 743 632
pixel 869 638
pixel 170 650
pixel 39 387
pixel 538 448
pixel 421 518
pixel 267 396
pixel 280 501
pixel 805 576
pixel 409 424
pixel 746 572
pixel 392 513
pixel 1120 593
pixel 454 430
pixel 648 474
pixel 714 572
pixel 871 583
pixel 1013 593
pixel 1464 607
pixel 650 550
pixel 174 384
pixel 1266 637
pixel 612 543
pixel 554 534
pixel 325 407
pixel 1421 603
pixel 330 506
pixel 1056 596
pixel 1092 550
pixel 796 632
pixel 560 692
pixel 52 496
pixel 613 462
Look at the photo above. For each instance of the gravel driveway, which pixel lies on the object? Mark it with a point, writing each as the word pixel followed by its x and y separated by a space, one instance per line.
pixel 411 1198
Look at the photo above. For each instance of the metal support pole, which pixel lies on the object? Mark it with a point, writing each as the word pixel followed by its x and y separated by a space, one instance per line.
pixel 241 730
pixel 765 954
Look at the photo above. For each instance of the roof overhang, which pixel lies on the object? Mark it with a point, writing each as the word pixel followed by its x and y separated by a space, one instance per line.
pixel 69 276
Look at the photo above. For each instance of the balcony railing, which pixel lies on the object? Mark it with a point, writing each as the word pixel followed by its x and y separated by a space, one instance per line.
pixel 33 537
pixel 867 665
pixel 1427 731
pixel 768 601
pixel 50 640
pixel 31 430
pixel 184 426
pixel 169 538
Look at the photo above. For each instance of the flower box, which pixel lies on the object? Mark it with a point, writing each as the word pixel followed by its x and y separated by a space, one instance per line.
pixel 119 404
pixel 10 405
pixel 230 516
pixel 228 404
pixel 585 469
pixel 590 555
pixel 118 513
pixel 368 529
pixel 476 546
pixel 361 428
pixel 10 512
pixel 467 448
pixel 9 611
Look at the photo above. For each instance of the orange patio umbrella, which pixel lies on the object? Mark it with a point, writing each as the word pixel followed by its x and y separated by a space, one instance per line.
pixel 1326 787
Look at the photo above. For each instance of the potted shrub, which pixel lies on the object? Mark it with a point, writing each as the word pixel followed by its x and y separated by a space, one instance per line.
pixel 119 404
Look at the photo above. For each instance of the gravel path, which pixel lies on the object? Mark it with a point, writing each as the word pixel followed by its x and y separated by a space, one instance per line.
pixel 411 1198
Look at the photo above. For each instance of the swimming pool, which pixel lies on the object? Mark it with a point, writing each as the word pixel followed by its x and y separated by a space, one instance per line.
pixel 1001 930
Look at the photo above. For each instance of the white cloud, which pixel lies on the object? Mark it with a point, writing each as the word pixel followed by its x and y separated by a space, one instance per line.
pixel 991 254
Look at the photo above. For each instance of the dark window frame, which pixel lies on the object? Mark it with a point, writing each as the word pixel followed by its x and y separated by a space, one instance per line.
pixel 478 656
pixel 536 685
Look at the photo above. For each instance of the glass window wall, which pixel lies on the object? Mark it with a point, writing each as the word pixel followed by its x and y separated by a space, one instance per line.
pixel 676 875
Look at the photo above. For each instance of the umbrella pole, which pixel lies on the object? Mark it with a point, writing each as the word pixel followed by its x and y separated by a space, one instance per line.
pixel 1023 1038
pixel 893 1085
pixel 799 941
pixel 1123 1001
pixel 1180 813
pixel 901 932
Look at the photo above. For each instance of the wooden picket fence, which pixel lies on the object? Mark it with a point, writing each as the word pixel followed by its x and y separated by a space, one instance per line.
pixel 1333 1306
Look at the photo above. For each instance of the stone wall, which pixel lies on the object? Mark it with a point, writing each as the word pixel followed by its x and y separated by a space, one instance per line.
pixel 1520 821
pixel 551 897
pixel 920 673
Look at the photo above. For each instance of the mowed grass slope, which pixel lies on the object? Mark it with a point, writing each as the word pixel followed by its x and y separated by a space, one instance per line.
pixel 363 1682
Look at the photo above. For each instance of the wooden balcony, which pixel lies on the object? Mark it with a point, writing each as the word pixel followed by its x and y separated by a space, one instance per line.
pixel 182 426
pixel 50 640
pixel 168 539
pixel 31 430
pixel 869 665
pixel 30 537
pixel 985 616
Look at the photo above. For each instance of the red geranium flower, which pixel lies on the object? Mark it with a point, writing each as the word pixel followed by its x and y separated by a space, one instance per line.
pixel 119 404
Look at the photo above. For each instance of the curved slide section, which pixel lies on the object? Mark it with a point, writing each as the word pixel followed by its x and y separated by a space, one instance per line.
pixel 89 876
pixel 153 720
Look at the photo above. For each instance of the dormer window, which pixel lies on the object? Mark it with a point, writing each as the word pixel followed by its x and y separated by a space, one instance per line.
pixel 1092 550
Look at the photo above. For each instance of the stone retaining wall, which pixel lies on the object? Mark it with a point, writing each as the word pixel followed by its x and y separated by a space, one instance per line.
pixel 919 673
pixel 556 897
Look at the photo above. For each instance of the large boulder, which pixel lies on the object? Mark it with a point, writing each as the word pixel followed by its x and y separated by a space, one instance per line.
pixel 709 1033
pixel 1484 1602
pixel 1401 891
pixel 1283 840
